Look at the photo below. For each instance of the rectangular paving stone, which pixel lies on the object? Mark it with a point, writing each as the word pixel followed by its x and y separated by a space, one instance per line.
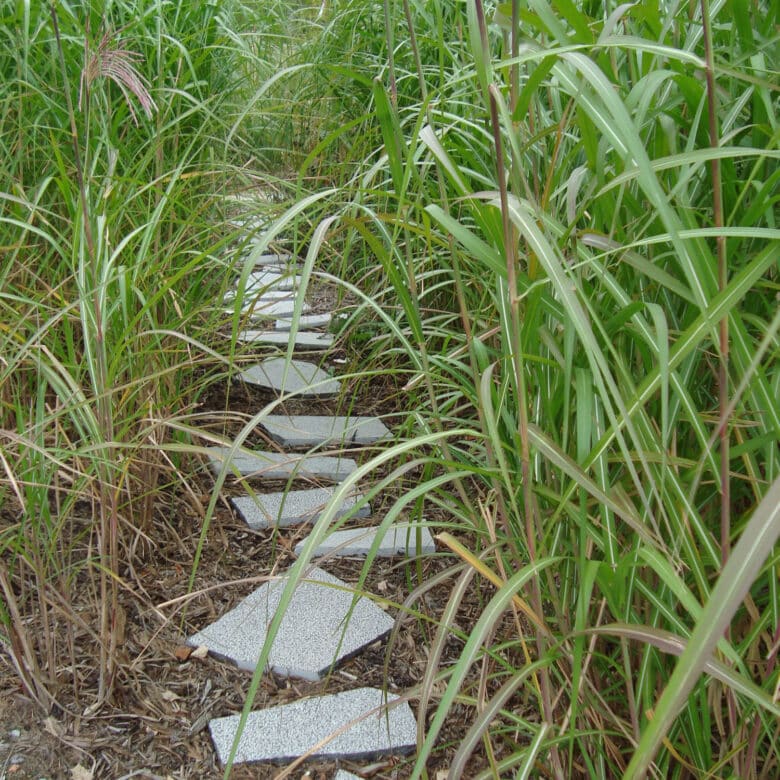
pixel 322 626
pixel 275 280
pixel 306 321
pixel 311 430
pixel 400 539
pixel 253 299
pixel 303 339
pixel 279 465
pixel 270 307
pixel 273 258
pixel 283 733
pixel 267 308
pixel 264 510
pixel 268 284
pixel 296 376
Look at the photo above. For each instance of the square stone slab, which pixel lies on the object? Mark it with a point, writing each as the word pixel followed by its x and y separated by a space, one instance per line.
pixel 400 539
pixel 311 430
pixel 301 378
pixel 265 510
pixel 303 339
pixel 279 465
pixel 283 733
pixel 306 321
pixel 320 627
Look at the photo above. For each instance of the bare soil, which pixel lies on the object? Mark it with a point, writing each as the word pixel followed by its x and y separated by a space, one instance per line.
pixel 155 723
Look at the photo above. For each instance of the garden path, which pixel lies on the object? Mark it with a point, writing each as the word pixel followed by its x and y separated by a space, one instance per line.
pixel 325 621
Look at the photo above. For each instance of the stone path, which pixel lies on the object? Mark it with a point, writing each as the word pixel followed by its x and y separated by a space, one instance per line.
pixel 325 621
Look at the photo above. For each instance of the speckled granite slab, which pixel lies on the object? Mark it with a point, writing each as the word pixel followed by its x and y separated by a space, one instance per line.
pixel 297 376
pixel 321 627
pixel 303 339
pixel 399 539
pixel 288 731
pixel 311 430
pixel 279 465
pixel 264 510
pixel 305 321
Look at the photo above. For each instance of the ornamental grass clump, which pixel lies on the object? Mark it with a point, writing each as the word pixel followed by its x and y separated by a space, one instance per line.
pixel 565 234
pixel 107 270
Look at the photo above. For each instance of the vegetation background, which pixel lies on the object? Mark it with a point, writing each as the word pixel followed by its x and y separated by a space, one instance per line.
pixel 560 222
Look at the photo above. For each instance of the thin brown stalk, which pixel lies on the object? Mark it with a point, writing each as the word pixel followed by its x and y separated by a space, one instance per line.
pixel 525 454
pixel 717 209
pixel 109 520
pixel 723 328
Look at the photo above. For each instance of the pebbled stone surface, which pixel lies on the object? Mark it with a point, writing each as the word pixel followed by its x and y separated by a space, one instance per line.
pixel 260 464
pixel 321 627
pixel 311 430
pixel 400 539
pixel 264 510
pixel 304 379
pixel 288 731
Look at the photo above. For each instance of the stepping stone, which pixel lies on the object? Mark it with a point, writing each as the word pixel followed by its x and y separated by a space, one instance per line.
pixel 267 283
pixel 279 281
pixel 269 307
pixel 252 299
pixel 306 321
pixel 266 510
pixel 400 539
pixel 303 339
pixel 283 733
pixel 283 261
pixel 279 465
pixel 311 430
pixel 304 379
pixel 322 626
pixel 250 223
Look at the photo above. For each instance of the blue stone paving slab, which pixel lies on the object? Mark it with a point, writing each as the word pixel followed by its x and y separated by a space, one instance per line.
pixel 306 321
pixel 264 510
pixel 278 465
pixel 303 340
pixel 311 430
pixel 297 376
pixel 322 626
pixel 288 731
pixel 400 539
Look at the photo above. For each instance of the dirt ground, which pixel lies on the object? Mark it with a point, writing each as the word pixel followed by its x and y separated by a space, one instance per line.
pixel 155 725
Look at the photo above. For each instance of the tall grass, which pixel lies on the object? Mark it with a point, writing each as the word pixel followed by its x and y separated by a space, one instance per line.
pixel 566 231
pixel 109 114
pixel 560 224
